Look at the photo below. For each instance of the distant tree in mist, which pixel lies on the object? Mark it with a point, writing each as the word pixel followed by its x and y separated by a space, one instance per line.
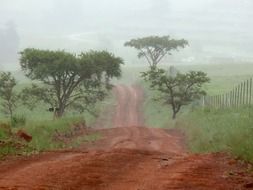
pixel 155 48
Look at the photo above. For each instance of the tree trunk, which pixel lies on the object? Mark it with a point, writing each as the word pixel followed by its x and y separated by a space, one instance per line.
pixel 174 115
pixel 10 109
pixel 58 112
pixel 175 110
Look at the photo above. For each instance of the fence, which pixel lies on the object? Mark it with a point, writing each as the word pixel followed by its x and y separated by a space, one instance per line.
pixel 240 95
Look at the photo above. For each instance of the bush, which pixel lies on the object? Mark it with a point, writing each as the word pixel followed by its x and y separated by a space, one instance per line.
pixel 18 121
pixel 5 131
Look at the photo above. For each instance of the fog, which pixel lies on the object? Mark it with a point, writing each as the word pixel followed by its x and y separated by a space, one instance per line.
pixel 217 30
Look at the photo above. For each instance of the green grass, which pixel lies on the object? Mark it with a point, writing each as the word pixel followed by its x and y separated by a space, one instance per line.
pixel 41 126
pixel 42 133
pixel 228 130
pixel 3 134
pixel 223 76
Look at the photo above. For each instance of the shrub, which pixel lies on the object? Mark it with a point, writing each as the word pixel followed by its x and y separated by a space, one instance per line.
pixel 18 121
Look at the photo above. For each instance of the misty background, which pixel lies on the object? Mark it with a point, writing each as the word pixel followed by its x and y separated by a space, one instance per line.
pixel 219 31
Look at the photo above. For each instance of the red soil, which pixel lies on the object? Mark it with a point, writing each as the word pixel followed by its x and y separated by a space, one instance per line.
pixel 23 135
pixel 128 157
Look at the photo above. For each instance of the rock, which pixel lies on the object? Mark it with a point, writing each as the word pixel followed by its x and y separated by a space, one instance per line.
pixel 23 135
pixel 248 185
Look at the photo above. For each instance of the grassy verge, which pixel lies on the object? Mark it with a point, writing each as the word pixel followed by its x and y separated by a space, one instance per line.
pixel 43 133
pixel 229 130
pixel 41 126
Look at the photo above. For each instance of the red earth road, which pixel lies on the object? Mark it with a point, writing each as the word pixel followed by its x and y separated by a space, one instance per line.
pixel 128 157
pixel 128 111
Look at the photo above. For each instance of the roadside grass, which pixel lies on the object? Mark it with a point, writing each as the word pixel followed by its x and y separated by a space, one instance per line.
pixel 40 124
pixel 43 133
pixel 228 130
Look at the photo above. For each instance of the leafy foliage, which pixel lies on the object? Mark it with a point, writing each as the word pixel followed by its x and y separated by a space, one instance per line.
pixel 67 79
pixel 155 48
pixel 178 90
pixel 9 97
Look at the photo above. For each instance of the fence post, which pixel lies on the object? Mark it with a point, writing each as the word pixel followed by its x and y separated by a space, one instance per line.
pixel 250 91
pixel 233 98
pixel 236 96
pixel 214 101
pixel 223 100
pixel 227 99
pixel 244 88
pixel 203 101
pixel 241 94
pixel 218 101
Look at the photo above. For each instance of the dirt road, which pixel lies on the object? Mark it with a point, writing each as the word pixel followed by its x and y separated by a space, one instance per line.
pixel 128 157
pixel 128 111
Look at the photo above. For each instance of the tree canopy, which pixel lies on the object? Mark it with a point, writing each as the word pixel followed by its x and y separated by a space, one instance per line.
pixel 178 90
pixel 155 48
pixel 66 78
pixel 9 97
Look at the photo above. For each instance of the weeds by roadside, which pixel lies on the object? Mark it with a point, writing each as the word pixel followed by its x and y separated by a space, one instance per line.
pixel 229 130
pixel 43 134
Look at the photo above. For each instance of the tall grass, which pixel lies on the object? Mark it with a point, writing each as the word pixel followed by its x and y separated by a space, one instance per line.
pixel 229 130
pixel 43 131
pixel 41 126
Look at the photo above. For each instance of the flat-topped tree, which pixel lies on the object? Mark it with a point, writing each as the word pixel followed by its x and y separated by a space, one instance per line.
pixel 155 48
pixel 67 79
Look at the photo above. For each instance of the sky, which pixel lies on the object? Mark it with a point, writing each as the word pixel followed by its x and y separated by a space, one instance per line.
pixel 215 29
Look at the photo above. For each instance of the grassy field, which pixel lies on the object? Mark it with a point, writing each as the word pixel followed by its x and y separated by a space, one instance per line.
pixel 228 130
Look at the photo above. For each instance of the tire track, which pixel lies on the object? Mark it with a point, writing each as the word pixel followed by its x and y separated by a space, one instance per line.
pixel 127 111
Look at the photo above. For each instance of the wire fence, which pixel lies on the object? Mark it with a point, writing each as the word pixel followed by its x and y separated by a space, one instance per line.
pixel 240 95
